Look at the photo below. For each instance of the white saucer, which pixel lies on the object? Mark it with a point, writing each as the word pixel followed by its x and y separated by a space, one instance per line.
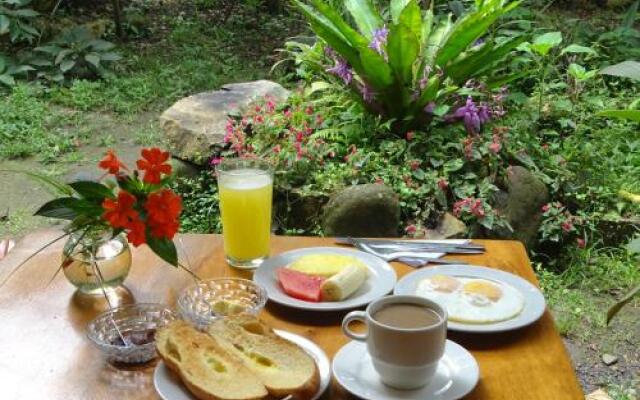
pixel 169 386
pixel 457 375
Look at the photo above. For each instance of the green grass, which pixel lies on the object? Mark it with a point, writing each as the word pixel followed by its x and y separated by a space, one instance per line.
pixel 580 294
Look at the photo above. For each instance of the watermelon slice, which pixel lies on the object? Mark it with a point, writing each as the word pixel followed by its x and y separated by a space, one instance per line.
pixel 300 285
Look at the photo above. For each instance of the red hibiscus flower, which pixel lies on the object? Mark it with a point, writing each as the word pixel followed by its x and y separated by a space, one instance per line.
pixel 163 208
pixel 154 164
pixel 111 163
pixel 120 212
pixel 137 233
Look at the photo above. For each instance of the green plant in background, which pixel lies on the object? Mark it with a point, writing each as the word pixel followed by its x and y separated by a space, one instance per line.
pixel 16 20
pixel 626 69
pixel 75 52
pixel 404 66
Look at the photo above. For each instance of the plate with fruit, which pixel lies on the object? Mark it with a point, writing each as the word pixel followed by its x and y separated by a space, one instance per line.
pixel 325 278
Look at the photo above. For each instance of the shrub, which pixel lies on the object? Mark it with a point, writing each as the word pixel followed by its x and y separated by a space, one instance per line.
pixel 408 68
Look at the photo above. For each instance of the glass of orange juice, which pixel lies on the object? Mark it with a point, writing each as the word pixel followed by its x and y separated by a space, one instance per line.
pixel 245 188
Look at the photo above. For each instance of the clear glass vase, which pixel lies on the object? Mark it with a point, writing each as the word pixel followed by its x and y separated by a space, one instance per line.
pixel 97 264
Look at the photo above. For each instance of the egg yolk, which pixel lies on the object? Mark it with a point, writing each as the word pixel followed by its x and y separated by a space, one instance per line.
pixel 487 289
pixel 443 283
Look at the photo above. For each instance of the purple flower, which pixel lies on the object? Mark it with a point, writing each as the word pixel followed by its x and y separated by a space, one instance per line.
pixel 484 113
pixel 430 107
pixel 425 77
pixel 342 70
pixel 379 40
pixel 470 114
pixel 367 94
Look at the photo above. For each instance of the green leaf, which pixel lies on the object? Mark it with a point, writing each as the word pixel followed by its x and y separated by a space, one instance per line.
pixel 164 248
pixel 93 59
pixel 50 49
pixel 7 80
pixel 92 190
pixel 429 93
pixel 544 43
pixel 57 188
pixel 403 49
pixel 618 306
pixel 625 69
pixel 61 55
pixel 436 40
pixel 575 49
pixel 365 16
pixel 101 45
pixel 110 56
pixel 61 208
pixel 396 7
pixel 26 13
pixel 411 18
pixel 330 34
pixel 4 24
pixel 67 65
pixel 499 81
pixel 633 115
pixel 376 71
pixel 469 28
pixel 354 38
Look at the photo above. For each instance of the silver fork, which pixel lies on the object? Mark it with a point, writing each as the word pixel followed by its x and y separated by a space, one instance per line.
pixel 401 256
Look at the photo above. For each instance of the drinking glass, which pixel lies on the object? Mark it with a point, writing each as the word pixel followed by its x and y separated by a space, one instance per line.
pixel 245 188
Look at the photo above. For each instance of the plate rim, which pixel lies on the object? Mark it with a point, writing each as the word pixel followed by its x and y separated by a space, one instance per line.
pixel 515 323
pixel 334 306
pixel 325 380
pixel 449 342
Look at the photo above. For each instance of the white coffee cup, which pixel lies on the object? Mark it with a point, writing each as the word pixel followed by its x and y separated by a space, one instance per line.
pixel 405 358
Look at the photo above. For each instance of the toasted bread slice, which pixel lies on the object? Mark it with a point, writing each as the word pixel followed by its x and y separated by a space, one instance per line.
pixel 205 367
pixel 283 367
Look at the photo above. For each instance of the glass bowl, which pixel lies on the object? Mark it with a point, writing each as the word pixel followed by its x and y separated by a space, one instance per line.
pixel 208 300
pixel 137 324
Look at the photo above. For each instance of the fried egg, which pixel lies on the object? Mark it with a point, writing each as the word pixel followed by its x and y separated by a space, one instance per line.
pixel 472 300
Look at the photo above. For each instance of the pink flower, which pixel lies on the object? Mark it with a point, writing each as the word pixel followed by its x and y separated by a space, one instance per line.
pixel 546 207
pixel 495 147
pixel 581 243
pixel 378 180
pixel 410 229
pixel 287 113
pixel 319 119
pixel 270 106
pixel 258 119
pixel 459 205
pixel 308 110
pixel 216 160
pixel 414 164
pixel 443 184
pixel 567 226
pixel 410 135
pixel 477 208
pixel 276 149
pixel 258 108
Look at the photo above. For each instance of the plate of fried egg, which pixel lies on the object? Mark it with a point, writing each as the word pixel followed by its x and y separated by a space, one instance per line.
pixel 477 299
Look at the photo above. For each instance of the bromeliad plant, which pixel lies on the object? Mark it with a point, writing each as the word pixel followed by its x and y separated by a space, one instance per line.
pixel 137 203
pixel 406 67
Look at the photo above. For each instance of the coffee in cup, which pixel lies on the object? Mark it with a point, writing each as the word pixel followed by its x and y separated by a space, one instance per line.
pixel 405 338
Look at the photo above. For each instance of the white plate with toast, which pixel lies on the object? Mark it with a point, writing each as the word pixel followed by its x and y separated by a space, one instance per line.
pixel 170 387
pixel 380 280
pixel 533 303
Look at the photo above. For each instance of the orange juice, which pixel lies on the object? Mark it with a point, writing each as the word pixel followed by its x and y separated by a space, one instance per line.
pixel 245 205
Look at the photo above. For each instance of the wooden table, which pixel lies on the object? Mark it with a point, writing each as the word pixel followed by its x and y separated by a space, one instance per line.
pixel 45 355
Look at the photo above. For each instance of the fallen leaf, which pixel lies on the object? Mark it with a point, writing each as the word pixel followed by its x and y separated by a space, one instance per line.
pixel 598 395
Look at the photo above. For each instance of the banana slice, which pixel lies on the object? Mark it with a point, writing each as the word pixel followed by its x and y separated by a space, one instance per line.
pixel 344 283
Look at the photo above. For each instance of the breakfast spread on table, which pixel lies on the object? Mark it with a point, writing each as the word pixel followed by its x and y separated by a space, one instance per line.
pixel 322 277
pixel 238 358
pixel 472 300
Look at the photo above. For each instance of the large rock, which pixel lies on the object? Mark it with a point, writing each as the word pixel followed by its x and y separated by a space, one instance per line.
pixel 195 124
pixel 371 210
pixel 522 205
pixel 448 227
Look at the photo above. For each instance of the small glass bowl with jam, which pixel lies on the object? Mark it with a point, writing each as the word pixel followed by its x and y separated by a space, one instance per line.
pixel 127 334
pixel 208 300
